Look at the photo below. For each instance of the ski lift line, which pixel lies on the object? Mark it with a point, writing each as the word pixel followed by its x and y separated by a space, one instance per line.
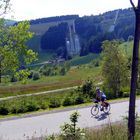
pixel 112 27
pixel 117 13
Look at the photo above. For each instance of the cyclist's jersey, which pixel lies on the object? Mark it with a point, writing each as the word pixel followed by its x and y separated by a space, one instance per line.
pixel 101 94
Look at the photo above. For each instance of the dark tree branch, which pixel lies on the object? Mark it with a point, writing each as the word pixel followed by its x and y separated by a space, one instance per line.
pixel 133 5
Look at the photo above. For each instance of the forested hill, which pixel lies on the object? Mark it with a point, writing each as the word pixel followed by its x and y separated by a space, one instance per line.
pixel 92 30
pixel 53 19
pixel 95 29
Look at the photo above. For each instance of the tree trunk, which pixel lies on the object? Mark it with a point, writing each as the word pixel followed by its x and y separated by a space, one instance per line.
pixel 134 74
pixel 0 71
pixel 0 67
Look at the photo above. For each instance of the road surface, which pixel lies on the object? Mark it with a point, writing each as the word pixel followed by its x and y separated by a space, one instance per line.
pixel 36 126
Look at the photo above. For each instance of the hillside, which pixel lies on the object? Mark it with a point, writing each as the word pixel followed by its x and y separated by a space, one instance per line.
pixel 9 22
pixel 92 30
pixel 41 28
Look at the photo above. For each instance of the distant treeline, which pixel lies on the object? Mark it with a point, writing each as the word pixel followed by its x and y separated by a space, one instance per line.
pixel 55 39
pixel 92 30
pixel 53 19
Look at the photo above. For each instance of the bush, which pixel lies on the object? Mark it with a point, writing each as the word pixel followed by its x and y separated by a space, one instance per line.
pixel 87 88
pixel 36 76
pixel 110 95
pixel 20 108
pixel 4 109
pixel 42 68
pixel 13 79
pixel 62 71
pixel 68 101
pixel 13 109
pixel 120 94
pixel 31 74
pixel 71 131
pixel 138 91
pixel 126 94
pixel 79 100
pixel 43 105
pixel 96 64
pixel 32 106
pixel 54 102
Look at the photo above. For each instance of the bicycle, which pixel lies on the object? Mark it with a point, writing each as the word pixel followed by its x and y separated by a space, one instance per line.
pixel 98 106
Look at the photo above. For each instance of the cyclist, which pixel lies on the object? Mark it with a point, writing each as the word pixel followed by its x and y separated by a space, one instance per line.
pixel 100 96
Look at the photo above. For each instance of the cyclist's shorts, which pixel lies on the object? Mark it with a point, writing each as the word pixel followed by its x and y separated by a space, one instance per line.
pixel 103 99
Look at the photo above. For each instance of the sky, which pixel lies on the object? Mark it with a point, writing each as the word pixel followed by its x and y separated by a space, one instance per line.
pixel 32 9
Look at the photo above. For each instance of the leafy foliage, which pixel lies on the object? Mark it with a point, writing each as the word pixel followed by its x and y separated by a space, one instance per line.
pixel 54 102
pixel 14 53
pixel 114 69
pixel 71 131
pixel 36 76
pixel 87 88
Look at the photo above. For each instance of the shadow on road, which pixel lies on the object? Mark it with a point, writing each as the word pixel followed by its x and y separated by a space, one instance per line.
pixel 102 116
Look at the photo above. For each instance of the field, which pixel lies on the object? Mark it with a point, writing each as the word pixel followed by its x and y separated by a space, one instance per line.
pixel 74 77
pixel 81 69
pixel 84 60
pixel 40 29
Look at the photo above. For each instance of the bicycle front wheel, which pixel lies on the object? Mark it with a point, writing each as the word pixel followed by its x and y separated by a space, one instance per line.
pixel 107 109
pixel 94 110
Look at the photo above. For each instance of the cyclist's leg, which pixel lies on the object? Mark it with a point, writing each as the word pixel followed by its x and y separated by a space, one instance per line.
pixel 103 101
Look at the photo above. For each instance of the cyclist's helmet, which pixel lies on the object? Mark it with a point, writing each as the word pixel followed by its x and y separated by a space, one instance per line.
pixel 97 88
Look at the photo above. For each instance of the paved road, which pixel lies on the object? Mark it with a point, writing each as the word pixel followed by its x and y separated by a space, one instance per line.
pixel 24 128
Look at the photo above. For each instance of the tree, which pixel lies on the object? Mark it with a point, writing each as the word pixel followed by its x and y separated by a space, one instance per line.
pixel 14 52
pixel 134 73
pixel 114 70
pixel 4 6
pixel 71 131
pixel 8 61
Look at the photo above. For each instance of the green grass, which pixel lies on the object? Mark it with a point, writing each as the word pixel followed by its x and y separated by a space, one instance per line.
pixel 74 77
pixel 115 132
pixel 127 47
pixel 83 60
pixel 43 27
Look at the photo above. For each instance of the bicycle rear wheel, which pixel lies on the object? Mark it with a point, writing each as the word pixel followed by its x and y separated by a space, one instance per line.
pixel 94 110
pixel 107 109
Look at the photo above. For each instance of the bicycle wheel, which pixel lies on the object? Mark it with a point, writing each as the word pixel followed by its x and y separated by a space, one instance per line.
pixel 107 109
pixel 94 110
